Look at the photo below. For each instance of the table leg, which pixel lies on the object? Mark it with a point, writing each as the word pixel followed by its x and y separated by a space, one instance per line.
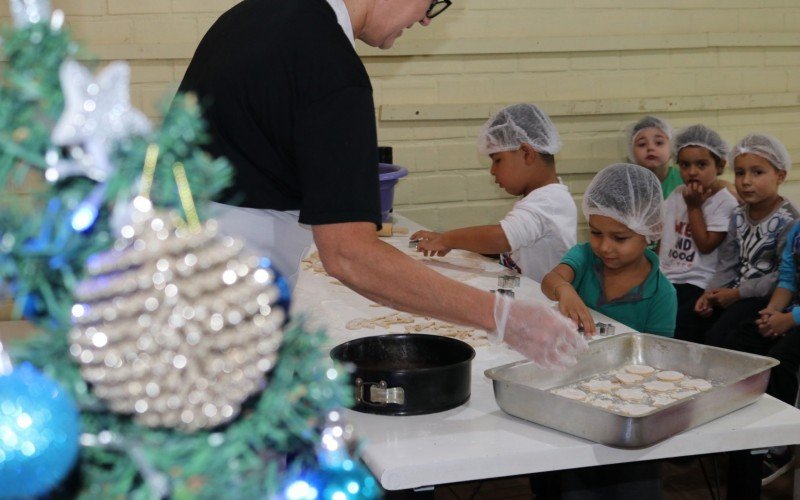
pixel 744 474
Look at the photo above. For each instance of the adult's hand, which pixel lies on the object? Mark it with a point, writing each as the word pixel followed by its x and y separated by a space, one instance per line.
pixel 537 331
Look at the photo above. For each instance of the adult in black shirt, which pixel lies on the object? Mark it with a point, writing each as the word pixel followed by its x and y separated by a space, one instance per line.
pixel 289 103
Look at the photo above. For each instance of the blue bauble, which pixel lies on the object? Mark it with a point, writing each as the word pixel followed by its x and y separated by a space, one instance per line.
pixel 39 432
pixel 349 481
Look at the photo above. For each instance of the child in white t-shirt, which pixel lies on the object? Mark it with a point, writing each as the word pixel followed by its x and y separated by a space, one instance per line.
pixel 533 237
pixel 696 215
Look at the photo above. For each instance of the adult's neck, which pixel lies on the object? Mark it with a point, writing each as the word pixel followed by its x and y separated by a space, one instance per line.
pixel 359 12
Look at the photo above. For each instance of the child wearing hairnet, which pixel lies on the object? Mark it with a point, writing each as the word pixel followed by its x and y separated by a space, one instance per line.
pixel 696 215
pixel 649 146
pixel 747 269
pixel 615 273
pixel 531 239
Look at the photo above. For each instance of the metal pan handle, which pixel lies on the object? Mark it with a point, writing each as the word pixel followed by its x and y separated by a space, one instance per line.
pixel 379 394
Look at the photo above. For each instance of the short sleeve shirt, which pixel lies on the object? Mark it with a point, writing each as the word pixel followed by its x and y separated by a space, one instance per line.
pixel 681 261
pixel 289 103
pixel 650 307
pixel 671 181
pixel 540 229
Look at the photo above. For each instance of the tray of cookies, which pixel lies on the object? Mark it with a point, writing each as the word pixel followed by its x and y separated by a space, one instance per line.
pixel 633 390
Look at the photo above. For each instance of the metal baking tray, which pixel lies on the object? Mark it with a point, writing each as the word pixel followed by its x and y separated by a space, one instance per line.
pixel 521 388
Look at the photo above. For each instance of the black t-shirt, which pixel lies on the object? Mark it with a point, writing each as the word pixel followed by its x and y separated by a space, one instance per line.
pixel 289 103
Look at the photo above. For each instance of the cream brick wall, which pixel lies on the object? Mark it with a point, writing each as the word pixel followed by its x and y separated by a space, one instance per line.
pixel 594 65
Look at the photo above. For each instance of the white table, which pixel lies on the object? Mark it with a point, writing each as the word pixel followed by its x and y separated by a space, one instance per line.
pixel 478 440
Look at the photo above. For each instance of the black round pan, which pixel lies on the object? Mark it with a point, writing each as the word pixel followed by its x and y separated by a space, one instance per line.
pixel 407 374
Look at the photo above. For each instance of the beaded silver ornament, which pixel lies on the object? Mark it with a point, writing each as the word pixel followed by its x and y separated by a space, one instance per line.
pixel 176 327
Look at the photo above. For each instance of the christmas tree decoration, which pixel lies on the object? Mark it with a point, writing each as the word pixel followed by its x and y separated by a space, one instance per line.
pixel 27 12
pixel 176 326
pixel 39 429
pixel 97 114
pixel 201 392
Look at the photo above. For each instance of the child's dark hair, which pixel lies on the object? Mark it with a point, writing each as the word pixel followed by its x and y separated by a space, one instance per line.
pixel 704 137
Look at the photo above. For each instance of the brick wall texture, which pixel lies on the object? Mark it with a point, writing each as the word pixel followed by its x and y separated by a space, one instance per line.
pixel 594 65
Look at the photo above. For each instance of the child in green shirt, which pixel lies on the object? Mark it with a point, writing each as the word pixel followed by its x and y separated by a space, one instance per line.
pixel 615 273
pixel 649 146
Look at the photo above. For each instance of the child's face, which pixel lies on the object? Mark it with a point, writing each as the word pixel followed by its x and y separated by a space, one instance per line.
pixel 756 179
pixel 698 166
pixel 510 171
pixel 614 243
pixel 651 148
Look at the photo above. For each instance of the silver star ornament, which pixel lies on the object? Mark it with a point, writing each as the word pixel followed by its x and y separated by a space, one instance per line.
pixel 28 12
pixel 97 114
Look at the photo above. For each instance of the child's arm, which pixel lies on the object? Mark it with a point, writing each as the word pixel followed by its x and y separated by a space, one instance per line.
pixel 727 260
pixel 557 285
pixel 772 322
pixel 479 239
pixel 705 240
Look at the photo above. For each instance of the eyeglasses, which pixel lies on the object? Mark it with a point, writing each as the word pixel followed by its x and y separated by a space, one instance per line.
pixel 437 7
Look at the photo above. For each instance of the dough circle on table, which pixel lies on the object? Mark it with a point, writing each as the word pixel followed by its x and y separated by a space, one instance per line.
pixel 635 410
pixel 631 394
pixel 571 393
pixel 696 383
pixel 669 376
pixel 659 386
pixel 640 369
pixel 599 385
pixel 661 400
pixel 628 378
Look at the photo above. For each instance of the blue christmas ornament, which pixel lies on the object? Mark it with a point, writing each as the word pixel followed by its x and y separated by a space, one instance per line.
pixel 285 298
pixel 350 481
pixel 39 432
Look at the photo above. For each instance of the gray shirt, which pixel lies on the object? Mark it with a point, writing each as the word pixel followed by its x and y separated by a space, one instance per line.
pixel 750 254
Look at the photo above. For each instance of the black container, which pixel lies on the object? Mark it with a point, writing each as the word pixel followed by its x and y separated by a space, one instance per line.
pixel 407 374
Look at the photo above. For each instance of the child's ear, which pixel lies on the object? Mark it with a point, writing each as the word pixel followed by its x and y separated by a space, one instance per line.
pixel 721 165
pixel 781 175
pixel 529 154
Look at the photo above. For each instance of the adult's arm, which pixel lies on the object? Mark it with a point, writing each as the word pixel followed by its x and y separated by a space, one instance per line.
pixel 352 253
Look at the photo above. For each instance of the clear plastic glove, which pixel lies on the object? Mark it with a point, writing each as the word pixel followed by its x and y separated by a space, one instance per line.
pixel 543 335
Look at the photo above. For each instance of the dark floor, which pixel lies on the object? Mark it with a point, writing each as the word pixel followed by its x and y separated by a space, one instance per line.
pixel 683 479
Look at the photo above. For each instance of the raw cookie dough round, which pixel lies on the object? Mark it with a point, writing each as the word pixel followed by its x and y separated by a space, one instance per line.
pixel 684 394
pixel 571 393
pixel 696 383
pixel 628 378
pixel 631 394
pixel 659 386
pixel 635 410
pixel 601 403
pixel 662 400
pixel 640 369
pixel 599 385
pixel 669 376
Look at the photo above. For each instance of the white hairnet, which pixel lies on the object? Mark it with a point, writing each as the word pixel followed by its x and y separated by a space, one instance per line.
pixel 765 146
pixel 629 194
pixel 700 135
pixel 645 123
pixel 519 124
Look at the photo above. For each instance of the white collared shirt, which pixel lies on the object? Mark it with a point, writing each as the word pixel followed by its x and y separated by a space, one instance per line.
pixel 343 17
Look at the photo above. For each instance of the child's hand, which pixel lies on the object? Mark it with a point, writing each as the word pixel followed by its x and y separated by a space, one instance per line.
pixel 703 307
pixel 695 195
pixel 773 323
pixel 571 306
pixel 723 297
pixel 430 243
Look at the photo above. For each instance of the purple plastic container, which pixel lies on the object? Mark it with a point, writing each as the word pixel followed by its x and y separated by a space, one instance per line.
pixel 389 174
